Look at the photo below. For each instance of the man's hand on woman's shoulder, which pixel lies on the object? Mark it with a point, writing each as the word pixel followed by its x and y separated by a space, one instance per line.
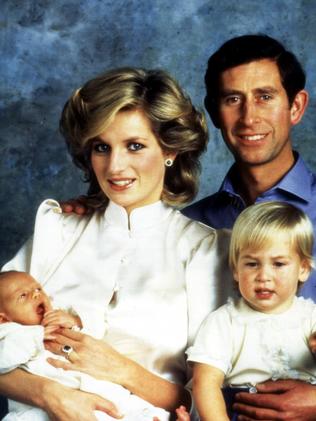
pixel 77 205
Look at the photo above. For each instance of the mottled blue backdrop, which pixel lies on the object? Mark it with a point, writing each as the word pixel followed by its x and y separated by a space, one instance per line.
pixel 49 47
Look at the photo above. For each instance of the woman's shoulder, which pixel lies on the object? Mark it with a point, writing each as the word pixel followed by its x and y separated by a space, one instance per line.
pixel 194 231
pixel 50 211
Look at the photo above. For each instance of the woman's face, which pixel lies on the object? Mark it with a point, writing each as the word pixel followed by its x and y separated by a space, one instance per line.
pixel 128 161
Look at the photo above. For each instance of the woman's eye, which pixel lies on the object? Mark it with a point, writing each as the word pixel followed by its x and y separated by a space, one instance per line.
pixel 23 295
pixel 135 147
pixel 100 147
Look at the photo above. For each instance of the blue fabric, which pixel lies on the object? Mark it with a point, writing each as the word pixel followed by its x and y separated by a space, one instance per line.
pixel 3 406
pixel 297 187
pixel 229 396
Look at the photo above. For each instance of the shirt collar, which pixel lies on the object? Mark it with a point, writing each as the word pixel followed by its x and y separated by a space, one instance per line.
pixel 139 218
pixel 296 181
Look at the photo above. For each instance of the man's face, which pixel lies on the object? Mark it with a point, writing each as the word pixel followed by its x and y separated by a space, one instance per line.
pixel 255 116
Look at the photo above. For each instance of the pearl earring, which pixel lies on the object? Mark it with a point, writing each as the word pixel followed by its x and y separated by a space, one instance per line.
pixel 168 162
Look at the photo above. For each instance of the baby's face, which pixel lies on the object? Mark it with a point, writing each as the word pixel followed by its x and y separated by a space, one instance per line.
pixel 22 299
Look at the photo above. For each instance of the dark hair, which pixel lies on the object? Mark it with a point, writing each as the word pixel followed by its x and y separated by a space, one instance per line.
pixel 245 49
pixel 177 124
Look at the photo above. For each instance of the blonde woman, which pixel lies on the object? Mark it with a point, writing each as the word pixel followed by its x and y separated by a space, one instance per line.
pixel 148 273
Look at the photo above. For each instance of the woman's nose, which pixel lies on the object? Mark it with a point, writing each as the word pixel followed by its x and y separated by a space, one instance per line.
pixel 117 161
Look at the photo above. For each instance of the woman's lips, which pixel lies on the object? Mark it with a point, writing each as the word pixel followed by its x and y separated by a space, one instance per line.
pixel 121 184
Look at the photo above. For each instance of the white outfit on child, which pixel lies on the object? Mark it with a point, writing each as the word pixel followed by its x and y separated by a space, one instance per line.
pixel 22 346
pixel 251 347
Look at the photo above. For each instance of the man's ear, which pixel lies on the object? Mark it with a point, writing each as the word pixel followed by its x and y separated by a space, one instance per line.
pixel 298 106
pixel 3 318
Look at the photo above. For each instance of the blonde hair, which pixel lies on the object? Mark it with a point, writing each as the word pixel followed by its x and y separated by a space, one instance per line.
pixel 178 126
pixel 260 223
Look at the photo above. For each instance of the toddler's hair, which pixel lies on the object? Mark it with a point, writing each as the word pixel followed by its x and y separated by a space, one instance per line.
pixel 260 223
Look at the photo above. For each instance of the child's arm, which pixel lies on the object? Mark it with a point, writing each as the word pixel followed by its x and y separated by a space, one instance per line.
pixel 207 393
pixel 61 318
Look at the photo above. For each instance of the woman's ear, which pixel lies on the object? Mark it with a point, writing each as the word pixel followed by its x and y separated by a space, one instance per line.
pixel 298 106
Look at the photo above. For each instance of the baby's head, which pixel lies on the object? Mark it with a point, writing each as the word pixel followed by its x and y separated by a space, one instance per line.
pixel 22 299
pixel 271 254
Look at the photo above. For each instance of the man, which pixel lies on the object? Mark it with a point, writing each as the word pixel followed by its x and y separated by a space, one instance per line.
pixel 255 95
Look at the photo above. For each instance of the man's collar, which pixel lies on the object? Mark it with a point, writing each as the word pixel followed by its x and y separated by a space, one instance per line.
pixel 296 181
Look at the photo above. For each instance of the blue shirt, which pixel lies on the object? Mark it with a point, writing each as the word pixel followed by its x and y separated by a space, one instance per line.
pixel 297 187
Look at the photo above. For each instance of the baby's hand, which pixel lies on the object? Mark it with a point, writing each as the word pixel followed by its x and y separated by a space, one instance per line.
pixel 182 414
pixel 61 318
pixel 312 343
pixel 49 332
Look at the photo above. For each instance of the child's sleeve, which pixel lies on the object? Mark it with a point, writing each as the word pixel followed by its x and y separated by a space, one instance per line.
pixel 19 344
pixel 213 344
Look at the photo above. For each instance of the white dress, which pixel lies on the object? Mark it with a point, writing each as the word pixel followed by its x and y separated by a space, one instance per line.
pixel 151 278
pixel 251 347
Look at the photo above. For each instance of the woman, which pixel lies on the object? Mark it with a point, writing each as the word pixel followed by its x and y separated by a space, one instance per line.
pixel 148 273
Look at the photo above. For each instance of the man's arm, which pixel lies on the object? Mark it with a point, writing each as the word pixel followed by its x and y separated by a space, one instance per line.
pixel 288 400
pixel 207 393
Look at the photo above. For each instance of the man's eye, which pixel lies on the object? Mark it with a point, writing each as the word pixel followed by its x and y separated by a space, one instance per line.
pixel 231 100
pixel 266 97
pixel 135 147
pixel 100 147
pixel 23 295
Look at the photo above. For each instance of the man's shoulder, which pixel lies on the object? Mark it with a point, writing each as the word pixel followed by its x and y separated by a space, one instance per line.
pixel 208 209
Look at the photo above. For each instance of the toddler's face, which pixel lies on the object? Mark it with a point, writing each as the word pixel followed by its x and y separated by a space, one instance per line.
pixel 268 277
pixel 22 299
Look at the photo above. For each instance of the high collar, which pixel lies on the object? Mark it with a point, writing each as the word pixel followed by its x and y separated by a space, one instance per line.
pixel 139 218
pixel 296 181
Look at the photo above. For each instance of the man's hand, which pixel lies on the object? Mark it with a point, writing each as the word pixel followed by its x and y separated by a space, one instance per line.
pixel 78 206
pixel 312 343
pixel 289 400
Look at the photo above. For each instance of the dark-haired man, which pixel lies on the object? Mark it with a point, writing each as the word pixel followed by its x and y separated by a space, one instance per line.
pixel 255 95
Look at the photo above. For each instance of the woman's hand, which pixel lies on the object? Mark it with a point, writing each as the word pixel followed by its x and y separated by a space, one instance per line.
pixel 65 404
pixel 98 359
pixel 89 355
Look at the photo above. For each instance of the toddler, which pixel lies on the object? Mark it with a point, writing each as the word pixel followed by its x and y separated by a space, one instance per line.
pixel 265 333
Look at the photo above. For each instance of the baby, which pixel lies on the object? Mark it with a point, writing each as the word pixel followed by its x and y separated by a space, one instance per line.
pixel 266 333
pixel 26 320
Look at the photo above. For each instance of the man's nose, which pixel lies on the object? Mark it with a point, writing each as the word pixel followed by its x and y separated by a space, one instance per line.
pixel 249 113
